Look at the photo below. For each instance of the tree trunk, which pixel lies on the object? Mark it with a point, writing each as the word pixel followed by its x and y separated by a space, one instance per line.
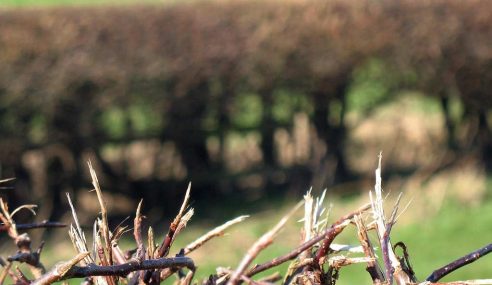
pixel 268 128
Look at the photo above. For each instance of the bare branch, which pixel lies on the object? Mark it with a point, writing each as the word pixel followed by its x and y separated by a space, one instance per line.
pixel 68 270
pixel 43 224
pixel 460 262
pixel 293 254
pixel 259 245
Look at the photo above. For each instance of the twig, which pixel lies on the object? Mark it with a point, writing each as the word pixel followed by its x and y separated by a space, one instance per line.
pixel 467 282
pixel 28 257
pixel 460 262
pixel 68 270
pixel 218 231
pixel 21 277
pixel 385 243
pixel 259 245
pixel 77 235
pixel 405 261
pixel 150 243
pixel 7 180
pixel 323 251
pixel 271 278
pixel 187 279
pixel 104 214
pixel 372 266
pixel 310 243
pixel 245 278
pixel 7 220
pixel 5 272
pixel 137 232
pixel 391 262
pixel 340 260
pixel 174 227
pixel 43 224
pixel 60 271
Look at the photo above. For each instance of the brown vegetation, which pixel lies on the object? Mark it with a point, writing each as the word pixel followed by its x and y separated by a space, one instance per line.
pixel 82 82
pixel 317 260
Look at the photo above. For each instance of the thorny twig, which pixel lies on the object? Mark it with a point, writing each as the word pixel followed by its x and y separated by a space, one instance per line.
pixel 310 243
pixel 372 266
pixel 150 265
pixel 175 226
pixel 70 270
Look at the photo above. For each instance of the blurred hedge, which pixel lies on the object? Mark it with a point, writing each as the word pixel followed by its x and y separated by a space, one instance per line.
pixel 80 83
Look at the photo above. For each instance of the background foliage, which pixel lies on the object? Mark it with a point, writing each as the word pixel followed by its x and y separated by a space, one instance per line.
pixel 244 98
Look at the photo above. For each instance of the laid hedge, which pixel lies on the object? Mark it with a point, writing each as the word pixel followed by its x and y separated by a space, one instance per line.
pixel 76 77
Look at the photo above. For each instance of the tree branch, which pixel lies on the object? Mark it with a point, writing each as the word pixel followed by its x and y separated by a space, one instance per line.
pixel 122 270
pixel 43 224
pixel 460 262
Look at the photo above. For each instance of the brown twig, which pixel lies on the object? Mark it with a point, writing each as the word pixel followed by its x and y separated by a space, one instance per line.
pixel 174 227
pixel 137 232
pixel 329 237
pixel 68 270
pixel 150 243
pixel 263 242
pixel 460 262
pixel 5 272
pixel 25 255
pixel 7 220
pixel 405 261
pixel 372 266
pixel 20 277
pixel 104 226
pixel 43 224
pixel 310 243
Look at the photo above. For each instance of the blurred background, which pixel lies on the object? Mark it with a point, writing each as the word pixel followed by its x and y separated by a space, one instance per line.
pixel 254 102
